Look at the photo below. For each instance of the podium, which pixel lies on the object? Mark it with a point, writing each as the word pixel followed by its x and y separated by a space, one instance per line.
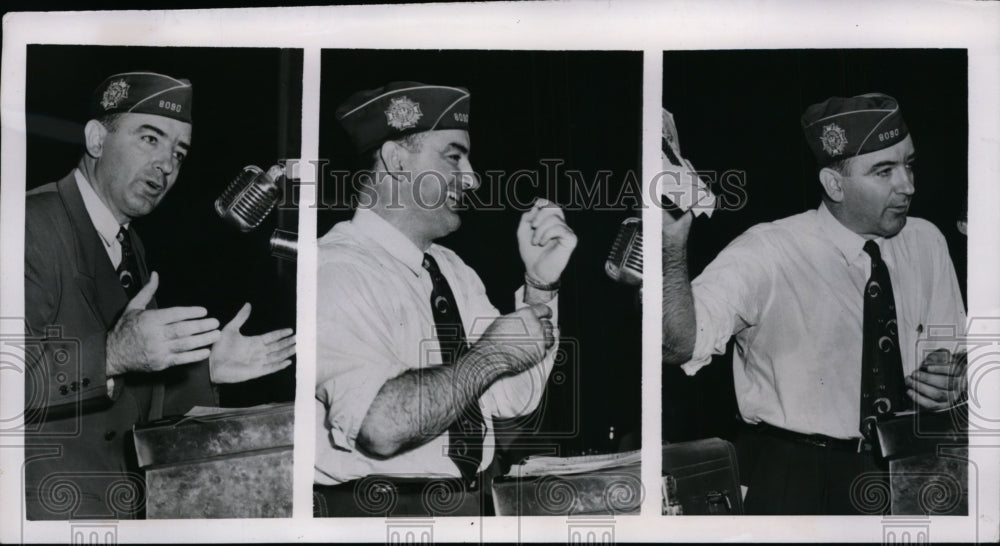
pixel 221 463
pixel 928 458
pixel 931 484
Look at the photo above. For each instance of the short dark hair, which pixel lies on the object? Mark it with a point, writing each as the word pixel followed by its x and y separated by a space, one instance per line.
pixel 110 121
pixel 411 142
pixel 842 165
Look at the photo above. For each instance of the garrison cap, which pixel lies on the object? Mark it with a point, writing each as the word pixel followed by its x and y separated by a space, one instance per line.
pixel 143 93
pixel 402 108
pixel 839 127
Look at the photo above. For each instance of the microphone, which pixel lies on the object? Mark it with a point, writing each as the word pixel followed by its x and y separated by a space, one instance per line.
pixel 624 263
pixel 250 197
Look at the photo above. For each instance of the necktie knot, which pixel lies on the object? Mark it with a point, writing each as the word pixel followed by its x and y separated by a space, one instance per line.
pixel 430 264
pixel 122 234
pixel 871 248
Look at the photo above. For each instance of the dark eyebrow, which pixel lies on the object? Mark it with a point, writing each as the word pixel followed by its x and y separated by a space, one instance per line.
pixel 882 164
pixel 152 128
pixel 458 147
pixel 161 133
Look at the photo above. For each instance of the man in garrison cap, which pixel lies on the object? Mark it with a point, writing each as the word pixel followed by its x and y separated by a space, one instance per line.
pixel 413 361
pixel 826 307
pixel 107 358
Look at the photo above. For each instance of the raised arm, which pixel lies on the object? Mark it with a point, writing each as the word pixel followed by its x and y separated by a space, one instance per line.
pixel 679 328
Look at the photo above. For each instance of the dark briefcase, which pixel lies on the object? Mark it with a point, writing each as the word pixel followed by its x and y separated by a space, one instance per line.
pixel 704 477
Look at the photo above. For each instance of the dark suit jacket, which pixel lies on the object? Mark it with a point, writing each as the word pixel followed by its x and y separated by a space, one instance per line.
pixel 79 457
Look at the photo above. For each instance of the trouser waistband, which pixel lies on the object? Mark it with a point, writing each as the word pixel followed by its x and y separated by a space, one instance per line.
pixel 857 445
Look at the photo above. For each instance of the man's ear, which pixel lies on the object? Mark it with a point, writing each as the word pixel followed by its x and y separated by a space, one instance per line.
pixel 392 156
pixel 94 133
pixel 833 184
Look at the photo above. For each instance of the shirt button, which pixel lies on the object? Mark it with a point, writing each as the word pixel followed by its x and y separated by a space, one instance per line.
pixel 86 381
pixel 109 435
pixel 63 390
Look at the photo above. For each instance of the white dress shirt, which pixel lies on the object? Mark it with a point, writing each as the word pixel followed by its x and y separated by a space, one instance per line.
pixel 374 323
pixel 104 222
pixel 791 293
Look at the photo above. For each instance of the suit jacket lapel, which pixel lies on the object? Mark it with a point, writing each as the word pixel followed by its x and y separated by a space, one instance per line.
pixel 98 280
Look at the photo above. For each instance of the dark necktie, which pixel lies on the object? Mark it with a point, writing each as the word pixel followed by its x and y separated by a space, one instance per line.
pixel 128 269
pixel 882 388
pixel 465 435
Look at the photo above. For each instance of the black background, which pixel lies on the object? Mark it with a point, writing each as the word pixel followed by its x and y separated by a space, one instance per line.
pixel 740 110
pixel 583 108
pixel 246 110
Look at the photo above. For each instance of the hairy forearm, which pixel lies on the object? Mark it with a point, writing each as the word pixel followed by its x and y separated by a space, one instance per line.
pixel 419 405
pixel 678 304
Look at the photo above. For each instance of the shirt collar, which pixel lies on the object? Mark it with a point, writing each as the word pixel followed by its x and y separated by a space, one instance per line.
pixel 102 218
pixel 391 239
pixel 850 244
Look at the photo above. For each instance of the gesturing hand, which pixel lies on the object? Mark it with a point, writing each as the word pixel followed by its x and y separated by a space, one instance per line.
pixel 237 358
pixel 545 241
pixel 940 382
pixel 150 340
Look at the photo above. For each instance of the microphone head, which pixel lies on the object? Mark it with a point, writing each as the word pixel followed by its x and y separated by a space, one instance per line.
pixel 624 263
pixel 250 197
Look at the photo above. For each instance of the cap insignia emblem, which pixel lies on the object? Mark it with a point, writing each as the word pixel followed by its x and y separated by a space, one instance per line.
pixel 403 113
pixel 114 94
pixel 834 139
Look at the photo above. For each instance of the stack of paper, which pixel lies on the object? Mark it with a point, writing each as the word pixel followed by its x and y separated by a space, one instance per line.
pixel 548 466
pixel 679 181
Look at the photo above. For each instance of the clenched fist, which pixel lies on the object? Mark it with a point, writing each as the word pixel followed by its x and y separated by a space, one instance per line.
pixel 940 382
pixel 514 342
pixel 545 241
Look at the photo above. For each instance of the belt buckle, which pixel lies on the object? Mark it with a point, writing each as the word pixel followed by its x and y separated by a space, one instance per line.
pixel 818 442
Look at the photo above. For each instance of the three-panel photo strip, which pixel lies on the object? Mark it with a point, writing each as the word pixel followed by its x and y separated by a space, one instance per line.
pixel 546 272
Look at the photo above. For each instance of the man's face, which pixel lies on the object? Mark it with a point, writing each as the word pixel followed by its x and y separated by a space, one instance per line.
pixel 139 163
pixel 878 187
pixel 440 170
